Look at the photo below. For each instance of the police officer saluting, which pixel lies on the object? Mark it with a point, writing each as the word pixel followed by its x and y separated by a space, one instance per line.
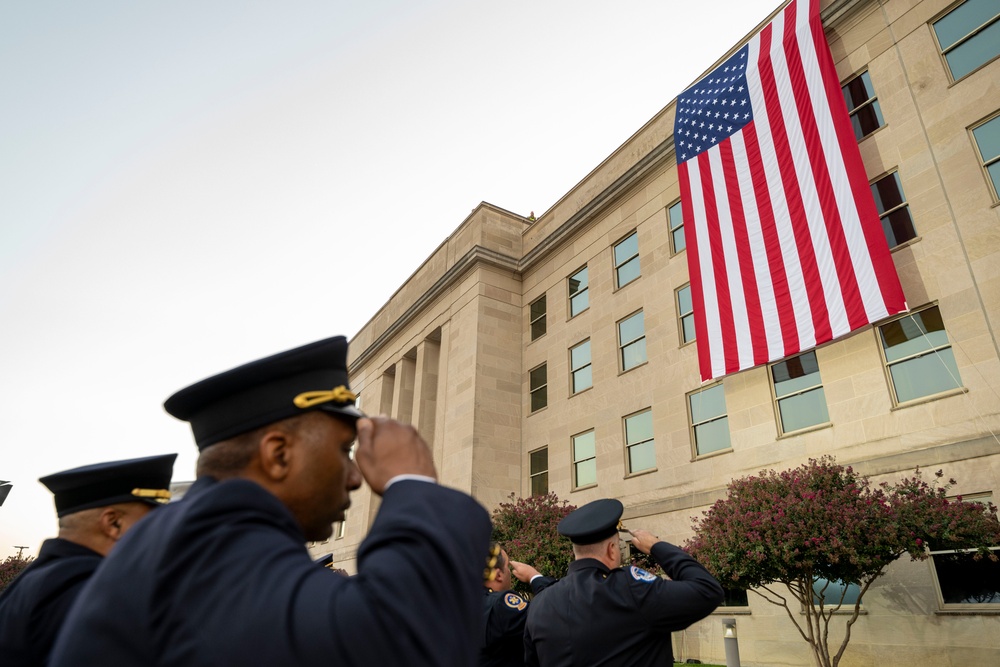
pixel 505 611
pixel 223 577
pixel 603 614
pixel 96 504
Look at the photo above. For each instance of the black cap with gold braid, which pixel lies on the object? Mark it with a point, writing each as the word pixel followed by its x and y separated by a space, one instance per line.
pixel 145 480
pixel 311 377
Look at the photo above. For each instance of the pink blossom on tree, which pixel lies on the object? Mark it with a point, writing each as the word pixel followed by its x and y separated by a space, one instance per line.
pixel 823 521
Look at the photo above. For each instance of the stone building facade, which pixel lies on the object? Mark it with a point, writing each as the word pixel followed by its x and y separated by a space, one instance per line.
pixel 555 354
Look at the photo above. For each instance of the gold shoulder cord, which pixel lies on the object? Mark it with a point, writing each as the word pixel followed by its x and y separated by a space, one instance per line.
pixel 489 574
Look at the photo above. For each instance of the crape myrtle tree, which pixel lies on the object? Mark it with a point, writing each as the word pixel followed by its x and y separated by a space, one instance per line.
pixel 801 530
pixel 526 528
pixel 10 568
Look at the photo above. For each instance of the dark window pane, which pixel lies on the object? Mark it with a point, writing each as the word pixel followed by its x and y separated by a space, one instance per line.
pixel 972 53
pixel 538 308
pixel 964 580
pixel 540 484
pixel 538 376
pixel 539 460
pixel 734 598
pixel 962 20
pixel 858 91
pixel 898 227
pixel 539 398
pixel 867 119
pixel 888 192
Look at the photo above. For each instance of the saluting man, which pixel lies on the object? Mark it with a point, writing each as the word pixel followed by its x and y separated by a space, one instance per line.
pixel 96 505
pixel 223 577
pixel 603 614
pixel 505 612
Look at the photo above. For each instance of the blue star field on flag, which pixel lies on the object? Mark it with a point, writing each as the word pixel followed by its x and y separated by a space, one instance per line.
pixel 713 109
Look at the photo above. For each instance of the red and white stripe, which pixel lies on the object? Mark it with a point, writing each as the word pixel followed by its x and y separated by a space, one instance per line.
pixel 785 247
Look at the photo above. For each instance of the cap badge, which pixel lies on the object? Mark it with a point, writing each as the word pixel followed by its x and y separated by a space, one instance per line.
pixel 339 394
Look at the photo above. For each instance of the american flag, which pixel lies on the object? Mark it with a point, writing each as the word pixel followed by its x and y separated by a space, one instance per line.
pixel 785 248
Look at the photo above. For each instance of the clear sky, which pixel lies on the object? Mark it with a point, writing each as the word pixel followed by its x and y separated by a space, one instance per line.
pixel 186 186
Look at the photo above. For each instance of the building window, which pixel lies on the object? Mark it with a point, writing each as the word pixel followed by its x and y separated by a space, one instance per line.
pixel 632 341
pixel 579 297
pixel 987 138
pixel 676 222
pixel 340 528
pixel 734 597
pixel 537 310
pixel 918 356
pixel 961 578
pixel 709 421
pixel 862 105
pixel 835 593
pixel 538 466
pixel 639 445
pixel 798 392
pixel 538 384
pixel 893 210
pixel 584 460
pixel 627 260
pixel 969 36
pixel 580 369
pixel 685 314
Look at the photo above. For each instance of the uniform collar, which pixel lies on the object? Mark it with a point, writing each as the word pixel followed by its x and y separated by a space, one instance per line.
pixel 588 564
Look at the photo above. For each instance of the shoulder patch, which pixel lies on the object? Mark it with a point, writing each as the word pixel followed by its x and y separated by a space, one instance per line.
pixel 640 574
pixel 515 601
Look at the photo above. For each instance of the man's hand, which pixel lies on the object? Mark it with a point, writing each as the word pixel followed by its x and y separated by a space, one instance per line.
pixel 387 448
pixel 643 540
pixel 523 571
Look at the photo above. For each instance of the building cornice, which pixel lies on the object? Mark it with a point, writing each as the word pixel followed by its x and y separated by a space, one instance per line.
pixel 467 262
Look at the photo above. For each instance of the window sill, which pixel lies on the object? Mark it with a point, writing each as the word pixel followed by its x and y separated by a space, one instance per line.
pixel 573 317
pixel 674 254
pixel 619 288
pixel 842 611
pixel 905 244
pixel 686 343
pixel 990 610
pixel 535 412
pixel 731 611
pixel 873 133
pixel 807 429
pixel 584 488
pixel 928 399
pixel 701 457
pixel 582 391
pixel 640 473
pixel 956 81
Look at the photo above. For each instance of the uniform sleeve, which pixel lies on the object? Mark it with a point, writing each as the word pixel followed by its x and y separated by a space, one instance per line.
pixel 539 584
pixel 416 598
pixel 690 595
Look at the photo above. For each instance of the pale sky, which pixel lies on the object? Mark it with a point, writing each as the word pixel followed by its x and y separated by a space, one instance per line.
pixel 186 186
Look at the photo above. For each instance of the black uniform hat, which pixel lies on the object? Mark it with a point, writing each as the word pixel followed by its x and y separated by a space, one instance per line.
pixel 595 521
pixel 145 480
pixel 311 377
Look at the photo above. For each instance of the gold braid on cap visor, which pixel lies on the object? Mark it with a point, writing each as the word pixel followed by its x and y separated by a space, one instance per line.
pixel 158 495
pixel 308 399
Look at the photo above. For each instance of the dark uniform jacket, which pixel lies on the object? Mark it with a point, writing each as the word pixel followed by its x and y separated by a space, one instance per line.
pixel 222 577
pixel 34 606
pixel 596 616
pixel 502 643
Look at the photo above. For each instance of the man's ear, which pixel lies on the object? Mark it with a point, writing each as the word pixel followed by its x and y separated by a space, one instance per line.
pixel 110 523
pixel 610 550
pixel 275 451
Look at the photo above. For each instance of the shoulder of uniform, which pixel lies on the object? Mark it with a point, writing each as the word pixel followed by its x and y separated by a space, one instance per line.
pixel 514 601
pixel 638 574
